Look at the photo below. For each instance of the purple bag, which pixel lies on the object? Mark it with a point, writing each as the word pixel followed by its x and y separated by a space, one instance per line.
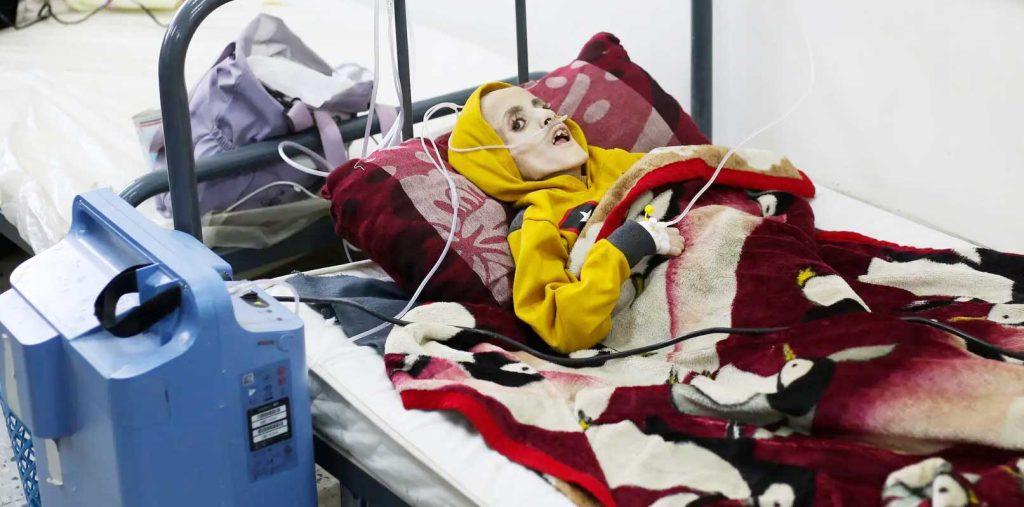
pixel 232 107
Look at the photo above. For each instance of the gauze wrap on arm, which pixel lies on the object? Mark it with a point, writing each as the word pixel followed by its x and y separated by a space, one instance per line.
pixel 659 233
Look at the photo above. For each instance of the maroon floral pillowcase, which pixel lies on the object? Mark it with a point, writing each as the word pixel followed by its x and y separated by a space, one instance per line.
pixel 395 205
pixel 616 102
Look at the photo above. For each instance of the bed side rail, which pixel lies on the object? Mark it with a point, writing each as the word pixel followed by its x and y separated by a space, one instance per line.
pixel 256 154
pixel 184 172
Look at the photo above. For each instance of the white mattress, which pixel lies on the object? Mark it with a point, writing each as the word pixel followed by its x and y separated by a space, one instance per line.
pixel 434 458
pixel 426 458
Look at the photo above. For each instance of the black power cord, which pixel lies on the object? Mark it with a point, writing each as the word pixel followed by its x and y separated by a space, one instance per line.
pixel 12 22
pixel 573 362
pixel 150 14
pixel 600 359
pixel 967 337
pixel 46 12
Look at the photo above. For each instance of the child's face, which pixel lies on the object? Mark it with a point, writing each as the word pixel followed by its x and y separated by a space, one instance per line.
pixel 517 116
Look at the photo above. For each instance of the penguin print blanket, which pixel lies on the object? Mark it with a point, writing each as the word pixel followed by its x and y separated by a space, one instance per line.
pixel 854 403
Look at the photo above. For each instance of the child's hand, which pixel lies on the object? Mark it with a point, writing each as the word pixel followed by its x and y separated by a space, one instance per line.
pixel 675 241
pixel 667 240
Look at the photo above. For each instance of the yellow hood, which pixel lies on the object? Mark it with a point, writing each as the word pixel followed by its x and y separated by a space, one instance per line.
pixel 494 171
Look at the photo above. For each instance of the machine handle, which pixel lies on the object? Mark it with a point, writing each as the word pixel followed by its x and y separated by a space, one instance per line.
pixel 141 317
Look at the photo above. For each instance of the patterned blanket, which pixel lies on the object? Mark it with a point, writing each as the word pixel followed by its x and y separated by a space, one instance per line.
pixel 851 404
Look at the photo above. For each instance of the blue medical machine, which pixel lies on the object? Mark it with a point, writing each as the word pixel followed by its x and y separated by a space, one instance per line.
pixel 143 380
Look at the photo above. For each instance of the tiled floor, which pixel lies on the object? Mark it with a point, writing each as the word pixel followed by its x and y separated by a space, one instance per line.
pixel 10 486
pixel 329 493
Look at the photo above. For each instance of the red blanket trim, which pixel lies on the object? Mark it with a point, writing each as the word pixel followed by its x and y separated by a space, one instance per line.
pixel 854 237
pixel 696 168
pixel 484 422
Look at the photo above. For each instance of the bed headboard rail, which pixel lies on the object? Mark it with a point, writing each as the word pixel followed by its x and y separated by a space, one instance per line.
pixel 700 64
pixel 181 163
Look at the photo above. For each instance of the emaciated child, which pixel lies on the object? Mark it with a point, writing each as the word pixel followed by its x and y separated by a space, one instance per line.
pixel 516 149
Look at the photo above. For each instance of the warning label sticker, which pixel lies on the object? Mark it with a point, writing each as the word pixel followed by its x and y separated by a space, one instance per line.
pixel 269 424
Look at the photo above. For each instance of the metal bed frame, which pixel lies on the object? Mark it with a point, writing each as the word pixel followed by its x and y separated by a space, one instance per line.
pixel 184 172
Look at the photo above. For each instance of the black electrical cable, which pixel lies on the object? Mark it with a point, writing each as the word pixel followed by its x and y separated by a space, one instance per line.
pixel 950 329
pixel 575 362
pixel 46 12
pixel 149 13
pixel 12 23
pixel 600 359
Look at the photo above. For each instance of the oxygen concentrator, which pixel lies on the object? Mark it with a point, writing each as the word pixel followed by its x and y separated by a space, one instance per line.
pixel 143 380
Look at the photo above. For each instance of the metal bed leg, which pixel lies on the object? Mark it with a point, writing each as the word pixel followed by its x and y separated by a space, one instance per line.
pixel 402 43
pixel 522 50
pixel 700 64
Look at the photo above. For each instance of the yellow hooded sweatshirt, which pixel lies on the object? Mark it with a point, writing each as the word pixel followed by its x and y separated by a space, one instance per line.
pixel 570 313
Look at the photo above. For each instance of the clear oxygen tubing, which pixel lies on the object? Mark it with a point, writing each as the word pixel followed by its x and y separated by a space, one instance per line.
pixel 434 155
pixel 769 125
pixel 394 133
pixel 376 76
pixel 324 169
pixel 295 186
pixel 438 163
pixel 320 162
pixel 323 166
pixel 600 359
pixel 317 160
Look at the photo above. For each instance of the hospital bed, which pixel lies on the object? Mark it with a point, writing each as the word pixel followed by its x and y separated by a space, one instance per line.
pixel 377 449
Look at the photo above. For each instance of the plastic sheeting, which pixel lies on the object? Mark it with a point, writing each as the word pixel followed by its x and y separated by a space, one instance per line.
pixel 66 128
pixel 262 227
pixel 68 94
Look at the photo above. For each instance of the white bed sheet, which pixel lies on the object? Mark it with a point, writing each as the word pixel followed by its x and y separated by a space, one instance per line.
pixel 426 458
pixel 433 458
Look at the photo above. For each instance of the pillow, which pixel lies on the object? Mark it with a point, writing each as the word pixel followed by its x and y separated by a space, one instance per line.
pixel 395 207
pixel 615 101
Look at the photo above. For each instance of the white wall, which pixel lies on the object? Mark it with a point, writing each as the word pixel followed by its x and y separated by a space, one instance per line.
pixel 655 32
pixel 917 106
pixel 916 109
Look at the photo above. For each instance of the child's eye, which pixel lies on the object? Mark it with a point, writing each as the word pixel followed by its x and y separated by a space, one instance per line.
pixel 518 124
